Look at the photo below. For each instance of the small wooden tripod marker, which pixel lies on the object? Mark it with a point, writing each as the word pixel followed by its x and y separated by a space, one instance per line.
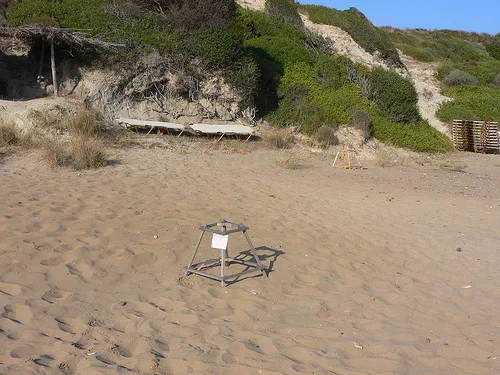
pixel 221 231
pixel 347 156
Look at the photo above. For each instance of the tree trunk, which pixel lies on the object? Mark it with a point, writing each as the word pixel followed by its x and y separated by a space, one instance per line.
pixel 39 77
pixel 53 65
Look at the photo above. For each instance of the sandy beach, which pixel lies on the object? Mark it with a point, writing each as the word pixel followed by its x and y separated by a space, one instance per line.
pixel 377 271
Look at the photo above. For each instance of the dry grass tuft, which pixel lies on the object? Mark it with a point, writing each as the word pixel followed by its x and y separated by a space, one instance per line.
pixel 30 139
pixel 46 120
pixel 84 151
pixel 54 153
pixel 85 123
pixel 234 147
pixel 87 153
pixel 88 123
pixel 291 159
pixel 8 134
pixel 384 158
pixel 452 165
pixel 325 137
pixel 279 138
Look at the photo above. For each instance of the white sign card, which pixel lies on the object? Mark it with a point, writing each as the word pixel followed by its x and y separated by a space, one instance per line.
pixel 219 241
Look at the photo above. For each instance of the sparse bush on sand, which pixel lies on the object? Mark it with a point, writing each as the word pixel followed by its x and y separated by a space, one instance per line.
pixel 383 158
pixel 291 159
pixel 53 152
pixel 88 123
pixel 452 165
pixel 84 150
pixel 280 138
pixel 87 153
pixel 325 137
pixel 8 134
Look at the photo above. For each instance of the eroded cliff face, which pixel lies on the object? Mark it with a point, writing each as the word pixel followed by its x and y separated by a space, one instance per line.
pixel 151 88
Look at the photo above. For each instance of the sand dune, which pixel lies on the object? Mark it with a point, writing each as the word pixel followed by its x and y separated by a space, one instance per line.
pixel 366 277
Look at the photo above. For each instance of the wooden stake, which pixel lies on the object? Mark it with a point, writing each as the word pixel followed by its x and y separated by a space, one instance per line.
pixel 53 66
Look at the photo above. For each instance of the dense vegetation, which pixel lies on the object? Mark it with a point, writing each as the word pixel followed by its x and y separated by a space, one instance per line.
pixel 269 57
pixel 472 103
pixel 469 69
pixel 437 45
pixel 311 90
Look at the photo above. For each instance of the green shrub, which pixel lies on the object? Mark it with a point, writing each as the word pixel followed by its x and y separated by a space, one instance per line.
pixel 192 14
pixel 283 10
pixel 453 49
pixel 418 53
pixel 281 50
pixel 359 27
pixel 483 72
pixel 99 18
pixel 454 46
pixel 325 136
pixel 493 47
pixel 304 113
pixel 471 103
pixel 362 121
pixel 280 138
pixel 308 105
pixel 218 47
pixel 42 20
pixel 299 74
pixel 396 96
pixel 494 80
pixel 420 137
pixel 332 71
pixel 243 75
pixel 458 77
pixel 257 24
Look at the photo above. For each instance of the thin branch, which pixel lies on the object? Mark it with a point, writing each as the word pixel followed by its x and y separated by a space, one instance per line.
pixel 58 35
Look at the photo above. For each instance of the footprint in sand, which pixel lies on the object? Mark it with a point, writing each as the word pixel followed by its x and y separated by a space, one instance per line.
pixel 143 258
pixel 55 261
pixel 24 352
pixel 10 289
pixel 45 360
pixel 67 368
pixel 54 295
pixel 228 358
pixel 18 313
pixel 74 326
pixel 80 268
